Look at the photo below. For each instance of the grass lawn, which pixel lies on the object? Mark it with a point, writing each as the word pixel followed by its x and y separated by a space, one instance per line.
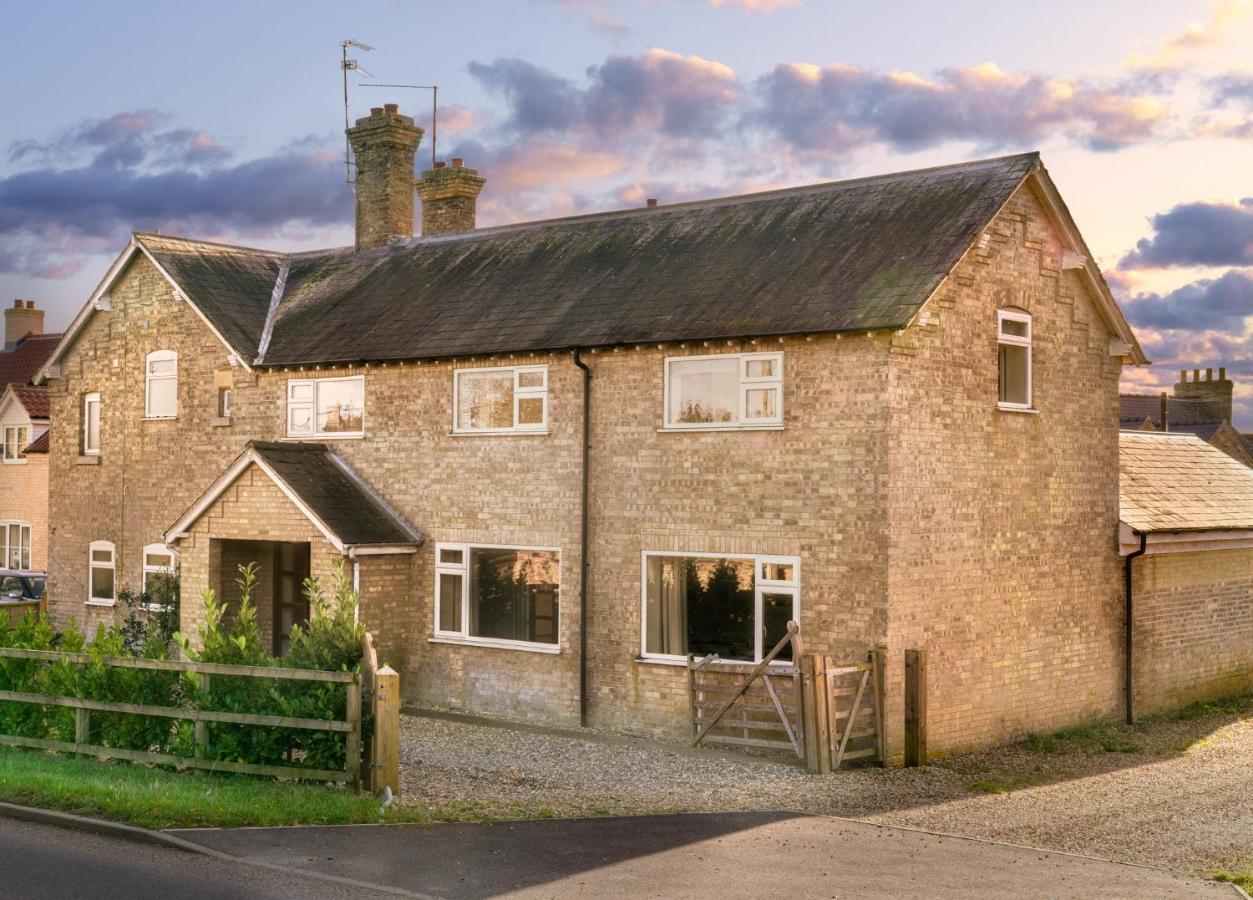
pixel 159 798
pixel 1244 879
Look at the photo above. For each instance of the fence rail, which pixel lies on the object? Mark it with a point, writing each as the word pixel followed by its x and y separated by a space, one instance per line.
pixel 350 725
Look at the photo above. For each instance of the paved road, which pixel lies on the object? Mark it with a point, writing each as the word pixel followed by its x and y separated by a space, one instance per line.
pixel 42 862
pixel 723 855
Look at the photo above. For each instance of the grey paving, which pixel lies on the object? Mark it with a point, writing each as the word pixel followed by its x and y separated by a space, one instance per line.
pixel 727 855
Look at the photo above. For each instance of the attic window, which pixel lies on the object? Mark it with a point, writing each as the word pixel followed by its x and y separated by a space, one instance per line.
pixel 326 407
pixel 161 385
pixel 1013 339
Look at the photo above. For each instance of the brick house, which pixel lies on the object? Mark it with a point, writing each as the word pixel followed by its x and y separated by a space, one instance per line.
pixel 1186 537
pixel 561 455
pixel 1199 406
pixel 24 424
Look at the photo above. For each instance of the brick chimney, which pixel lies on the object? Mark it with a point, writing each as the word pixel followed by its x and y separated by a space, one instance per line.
pixel 21 320
pixel 1216 392
pixel 449 197
pixel 383 144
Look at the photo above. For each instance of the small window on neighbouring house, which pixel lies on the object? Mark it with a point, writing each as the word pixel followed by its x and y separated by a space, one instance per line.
pixel 16 437
pixel 1013 344
pixel 502 594
pixel 326 406
pixel 224 403
pixel 732 390
pixel 735 606
pixel 91 424
pixel 160 566
pixel 161 385
pixel 492 401
pixel 100 572
pixel 15 537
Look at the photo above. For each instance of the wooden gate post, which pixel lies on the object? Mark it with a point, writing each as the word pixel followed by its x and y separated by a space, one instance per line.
pixel 915 707
pixel 385 747
pixel 816 714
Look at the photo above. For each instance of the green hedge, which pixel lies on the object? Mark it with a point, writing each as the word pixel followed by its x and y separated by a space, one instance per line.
pixel 331 640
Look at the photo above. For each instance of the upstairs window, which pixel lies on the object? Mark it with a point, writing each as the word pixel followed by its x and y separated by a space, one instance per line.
pixel 100 572
pixel 91 424
pixel 500 400
pixel 1013 340
pixel 15 537
pixel 16 437
pixel 332 407
pixel 731 390
pixel 161 385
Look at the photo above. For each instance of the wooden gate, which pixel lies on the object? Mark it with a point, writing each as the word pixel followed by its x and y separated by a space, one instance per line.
pixel 824 712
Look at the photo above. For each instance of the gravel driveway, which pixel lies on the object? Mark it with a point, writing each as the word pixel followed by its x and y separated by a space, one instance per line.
pixel 1173 793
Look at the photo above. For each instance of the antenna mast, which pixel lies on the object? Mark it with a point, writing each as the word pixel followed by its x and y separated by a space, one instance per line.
pixel 350 65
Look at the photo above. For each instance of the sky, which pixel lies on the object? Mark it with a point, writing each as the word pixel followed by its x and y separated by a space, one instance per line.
pixel 224 121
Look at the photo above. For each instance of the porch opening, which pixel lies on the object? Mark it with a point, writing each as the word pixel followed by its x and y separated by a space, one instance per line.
pixel 279 596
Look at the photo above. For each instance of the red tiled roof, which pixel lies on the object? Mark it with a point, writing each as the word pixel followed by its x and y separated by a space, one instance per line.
pixel 34 399
pixel 39 444
pixel 19 365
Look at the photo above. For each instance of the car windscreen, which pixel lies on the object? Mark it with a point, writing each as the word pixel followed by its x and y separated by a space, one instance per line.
pixel 36 587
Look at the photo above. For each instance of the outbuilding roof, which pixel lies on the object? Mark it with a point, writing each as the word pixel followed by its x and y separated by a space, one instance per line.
pixel 1178 483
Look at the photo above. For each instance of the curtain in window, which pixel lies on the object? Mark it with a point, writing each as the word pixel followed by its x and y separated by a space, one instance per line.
pixel 667 606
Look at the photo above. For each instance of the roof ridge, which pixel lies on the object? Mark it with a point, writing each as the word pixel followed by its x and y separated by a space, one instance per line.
pixel 279 254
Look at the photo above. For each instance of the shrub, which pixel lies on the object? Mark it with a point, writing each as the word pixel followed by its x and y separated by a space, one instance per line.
pixel 151 617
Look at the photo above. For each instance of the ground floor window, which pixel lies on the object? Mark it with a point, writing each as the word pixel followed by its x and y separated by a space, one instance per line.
pixel 491 593
pixel 15 537
pixel 735 606
pixel 100 581
pixel 160 566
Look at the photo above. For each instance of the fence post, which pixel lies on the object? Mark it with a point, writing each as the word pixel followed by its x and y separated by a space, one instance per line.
pixel 816 715
pixel 915 707
pixel 352 744
pixel 202 728
pixel 385 747
pixel 82 727
pixel 879 660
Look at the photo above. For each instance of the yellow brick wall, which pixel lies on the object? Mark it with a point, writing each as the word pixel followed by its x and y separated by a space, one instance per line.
pixel 24 498
pixel 1003 562
pixel 1193 627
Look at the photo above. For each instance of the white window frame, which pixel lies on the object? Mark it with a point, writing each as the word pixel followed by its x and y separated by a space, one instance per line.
pixel 519 393
pixel 92 565
pixel 1013 340
pixel 760 586
pixel 463 569
pixel 224 402
pixel 146 569
pixel 88 401
pixel 747 383
pixel 149 378
pixel 4 542
pixel 20 446
pixel 313 384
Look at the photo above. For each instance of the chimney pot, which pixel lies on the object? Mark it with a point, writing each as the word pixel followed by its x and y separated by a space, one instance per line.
pixel 392 107
pixel 441 164
pixel 17 304
pixel 1183 376
pixel 376 110
pixel 651 202
pixel 1222 373
pixel 1209 374
pixel 458 162
pixel 30 304
pixel 1196 374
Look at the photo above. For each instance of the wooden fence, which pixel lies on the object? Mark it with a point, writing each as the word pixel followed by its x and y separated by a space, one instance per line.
pixel 350 725
pixel 382 693
pixel 825 713
pixel 16 610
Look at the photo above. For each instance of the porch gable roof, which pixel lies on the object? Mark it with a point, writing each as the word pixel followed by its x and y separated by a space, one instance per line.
pixel 327 490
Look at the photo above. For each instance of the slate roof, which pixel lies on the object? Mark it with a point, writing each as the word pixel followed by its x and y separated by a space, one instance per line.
pixel 1178 482
pixel 334 493
pixel 19 365
pixel 845 256
pixel 1133 409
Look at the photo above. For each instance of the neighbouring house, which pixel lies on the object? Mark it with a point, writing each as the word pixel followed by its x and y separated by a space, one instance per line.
pixel 1187 535
pixel 24 424
pixel 561 455
pixel 1201 407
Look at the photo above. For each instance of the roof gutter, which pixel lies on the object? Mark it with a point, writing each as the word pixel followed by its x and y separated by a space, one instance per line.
pixel 577 359
pixel 1128 619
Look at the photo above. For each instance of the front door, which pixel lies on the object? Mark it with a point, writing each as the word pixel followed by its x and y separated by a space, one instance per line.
pixel 291 607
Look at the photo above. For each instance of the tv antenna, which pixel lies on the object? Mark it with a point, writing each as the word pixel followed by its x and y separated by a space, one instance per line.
pixel 350 65
pixel 434 89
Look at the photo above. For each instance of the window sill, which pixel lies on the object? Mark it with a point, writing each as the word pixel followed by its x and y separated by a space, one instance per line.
pixel 319 438
pixel 1031 411
pixel 682 663
pixel 101 603
pixel 510 432
pixel 159 419
pixel 550 649
pixel 88 459
pixel 220 421
pixel 679 429
pixel 14 462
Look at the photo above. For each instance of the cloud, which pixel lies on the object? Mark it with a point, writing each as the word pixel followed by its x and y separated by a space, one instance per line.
pixel 826 109
pixel 1218 304
pixel 757 6
pixel 673 94
pixel 1197 234
pixel 136 176
pixel 1175 51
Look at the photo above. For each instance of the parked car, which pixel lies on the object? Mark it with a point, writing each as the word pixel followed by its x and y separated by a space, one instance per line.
pixel 21 585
